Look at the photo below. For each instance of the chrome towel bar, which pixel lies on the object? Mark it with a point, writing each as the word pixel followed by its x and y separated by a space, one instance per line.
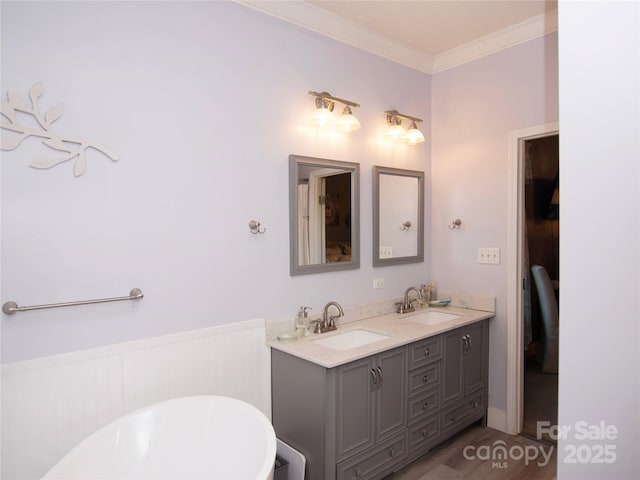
pixel 12 307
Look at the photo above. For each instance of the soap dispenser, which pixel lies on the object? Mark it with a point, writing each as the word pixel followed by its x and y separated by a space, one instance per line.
pixel 302 326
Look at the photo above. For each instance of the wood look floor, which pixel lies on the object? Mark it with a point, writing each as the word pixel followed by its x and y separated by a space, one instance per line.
pixel 448 461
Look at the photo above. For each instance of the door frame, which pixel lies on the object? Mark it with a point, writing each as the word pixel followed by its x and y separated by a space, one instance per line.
pixel 515 275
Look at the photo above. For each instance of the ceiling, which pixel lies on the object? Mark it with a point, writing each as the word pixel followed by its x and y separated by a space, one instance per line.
pixel 430 35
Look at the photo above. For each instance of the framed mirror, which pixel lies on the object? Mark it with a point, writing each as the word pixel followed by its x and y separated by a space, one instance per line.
pixel 324 215
pixel 398 216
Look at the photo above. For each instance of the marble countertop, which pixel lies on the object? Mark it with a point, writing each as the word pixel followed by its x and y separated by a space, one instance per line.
pixel 400 329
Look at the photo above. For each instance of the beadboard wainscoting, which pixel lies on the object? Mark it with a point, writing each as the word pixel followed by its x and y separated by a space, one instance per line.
pixel 50 404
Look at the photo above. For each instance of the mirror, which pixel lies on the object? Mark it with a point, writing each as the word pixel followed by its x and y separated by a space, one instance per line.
pixel 398 216
pixel 324 215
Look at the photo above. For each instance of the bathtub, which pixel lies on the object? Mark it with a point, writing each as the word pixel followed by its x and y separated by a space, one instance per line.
pixel 196 437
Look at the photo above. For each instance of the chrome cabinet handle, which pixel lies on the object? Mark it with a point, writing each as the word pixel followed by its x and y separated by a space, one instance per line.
pixel 380 374
pixel 426 352
pixel 469 340
pixel 465 343
pixel 425 405
pixel 393 452
pixel 425 378
pixel 374 379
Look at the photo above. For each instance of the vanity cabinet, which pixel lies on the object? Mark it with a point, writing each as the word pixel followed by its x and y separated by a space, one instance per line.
pixel 349 421
pixel 370 401
pixel 464 376
pixel 369 417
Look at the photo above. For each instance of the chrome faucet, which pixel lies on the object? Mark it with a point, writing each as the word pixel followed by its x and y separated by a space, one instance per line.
pixel 328 322
pixel 406 305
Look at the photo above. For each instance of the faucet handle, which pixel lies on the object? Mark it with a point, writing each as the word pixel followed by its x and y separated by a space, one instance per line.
pixel 318 327
pixel 302 313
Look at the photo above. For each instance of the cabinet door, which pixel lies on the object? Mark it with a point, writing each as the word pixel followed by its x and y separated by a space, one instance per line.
pixel 355 383
pixel 391 394
pixel 452 366
pixel 475 357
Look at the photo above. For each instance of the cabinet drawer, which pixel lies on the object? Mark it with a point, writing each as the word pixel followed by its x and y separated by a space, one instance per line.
pixel 422 434
pixel 425 351
pixel 423 404
pixel 464 412
pixel 376 462
pixel 423 378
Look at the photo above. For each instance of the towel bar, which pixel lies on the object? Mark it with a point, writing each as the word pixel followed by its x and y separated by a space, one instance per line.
pixel 12 307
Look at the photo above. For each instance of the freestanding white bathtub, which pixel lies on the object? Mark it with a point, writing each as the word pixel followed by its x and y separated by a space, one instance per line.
pixel 196 437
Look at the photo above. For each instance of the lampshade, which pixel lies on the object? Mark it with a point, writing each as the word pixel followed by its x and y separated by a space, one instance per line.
pixel 322 117
pixel 414 135
pixel 347 122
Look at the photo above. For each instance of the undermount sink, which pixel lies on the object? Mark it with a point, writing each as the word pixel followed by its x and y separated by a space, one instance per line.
pixel 350 339
pixel 430 317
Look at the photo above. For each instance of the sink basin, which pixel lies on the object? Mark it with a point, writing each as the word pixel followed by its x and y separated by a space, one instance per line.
pixel 430 317
pixel 350 339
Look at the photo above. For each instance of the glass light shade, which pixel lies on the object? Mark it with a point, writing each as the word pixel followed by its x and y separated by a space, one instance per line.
pixel 396 132
pixel 322 117
pixel 414 135
pixel 347 122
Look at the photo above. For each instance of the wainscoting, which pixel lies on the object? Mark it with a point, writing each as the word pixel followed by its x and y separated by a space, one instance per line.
pixel 51 404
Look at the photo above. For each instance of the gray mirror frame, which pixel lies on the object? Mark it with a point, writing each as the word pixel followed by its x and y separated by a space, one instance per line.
pixel 381 262
pixel 294 163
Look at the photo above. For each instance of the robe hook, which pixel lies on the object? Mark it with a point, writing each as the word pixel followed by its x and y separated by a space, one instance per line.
pixel 254 226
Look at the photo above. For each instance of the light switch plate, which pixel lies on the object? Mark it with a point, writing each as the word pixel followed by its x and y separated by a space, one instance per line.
pixel 489 255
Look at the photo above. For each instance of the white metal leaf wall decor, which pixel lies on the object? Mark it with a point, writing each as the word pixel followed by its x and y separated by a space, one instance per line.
pixel 72 146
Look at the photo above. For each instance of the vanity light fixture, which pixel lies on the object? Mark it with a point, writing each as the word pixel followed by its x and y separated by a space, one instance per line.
pixel 324 117
pixel 396 131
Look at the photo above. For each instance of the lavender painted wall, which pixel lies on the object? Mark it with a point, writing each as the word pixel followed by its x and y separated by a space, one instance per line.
pixel 475 106
pixel 204 101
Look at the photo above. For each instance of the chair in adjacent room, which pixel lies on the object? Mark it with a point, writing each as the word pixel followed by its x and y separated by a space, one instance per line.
pixel 550 318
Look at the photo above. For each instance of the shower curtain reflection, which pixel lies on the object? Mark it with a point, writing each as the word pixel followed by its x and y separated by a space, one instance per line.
pixel 303 224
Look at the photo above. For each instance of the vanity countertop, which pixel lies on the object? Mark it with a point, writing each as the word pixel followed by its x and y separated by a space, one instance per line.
pixel 400 329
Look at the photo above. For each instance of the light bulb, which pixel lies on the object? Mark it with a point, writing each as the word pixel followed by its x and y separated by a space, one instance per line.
pixel 322 117
pixel 347 122
pixel 414 135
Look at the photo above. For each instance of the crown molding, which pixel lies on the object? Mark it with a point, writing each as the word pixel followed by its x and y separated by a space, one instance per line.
pixel 511 36
pixel 325 23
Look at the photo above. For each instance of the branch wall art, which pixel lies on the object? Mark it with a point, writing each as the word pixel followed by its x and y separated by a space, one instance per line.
pixel 72 146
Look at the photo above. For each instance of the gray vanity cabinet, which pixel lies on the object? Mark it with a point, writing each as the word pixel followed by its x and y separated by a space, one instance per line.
pixel 464 376
pixel 349 421
pixel 370 401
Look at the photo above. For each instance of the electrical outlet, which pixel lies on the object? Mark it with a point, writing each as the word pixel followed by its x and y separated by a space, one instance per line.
pixel 378 283
pixel 386 252
pixel 489 255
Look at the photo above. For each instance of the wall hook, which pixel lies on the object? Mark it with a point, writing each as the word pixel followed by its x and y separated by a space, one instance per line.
pixel 254 226
pixel 455 224
pixel 406 225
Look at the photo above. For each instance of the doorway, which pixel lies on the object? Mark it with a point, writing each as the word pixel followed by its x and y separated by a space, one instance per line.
pixel 541 248
pixel 511 419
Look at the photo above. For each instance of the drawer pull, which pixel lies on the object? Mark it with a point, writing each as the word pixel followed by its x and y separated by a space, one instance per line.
pixel 425 378
pixel 358 472
pixel 393 452
pixel 426 352
pixel 425 433
pixel 453 418
pixel 425 405
pixel 476 404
